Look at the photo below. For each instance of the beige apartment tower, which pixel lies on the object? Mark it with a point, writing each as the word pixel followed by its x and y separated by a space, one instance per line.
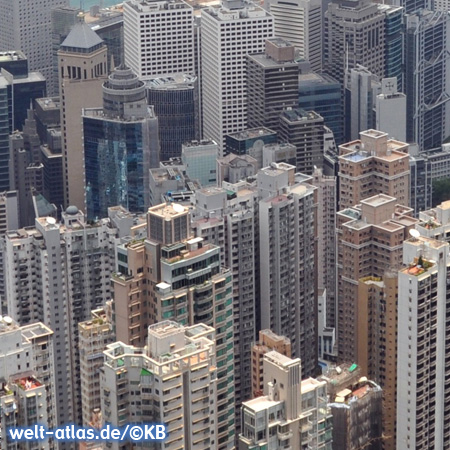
pixel 268 341
pixel 373 165
pixel 370 238
pixel 82 63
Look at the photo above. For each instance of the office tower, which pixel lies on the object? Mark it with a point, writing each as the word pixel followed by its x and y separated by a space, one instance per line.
pixel 199 160
pixel 394 42
pixel 369 238
pixel 321 93
pixel 305 130
pixel 390 110
pixel 233 168
pixel 121 144
pixel 427 169
pixel 47 113
pixel 26 362
pixel 355 404
pixel 9 211
pixel 413 6
pixel 24 85
pixel 291 414
pixel 360 90
pixel 372 165
pixel 300 23
pixel 27 26
pixel 268 341
pixel 426 80
pixel 94 335
pixel 26 171
pixel 158 37
pixel 108 24
pixel 175 99
pixel 82 65
pixel 76 259
pixel 250 142
pixel 272 83
pixel 440 5
pixel 172 380
pixel 423 364
pixel 62 19
pixel 278 153
pixel 228 218
pixel 377 342
pixel 354 34
pixel 229 32
pixel 326 241
pixel 178 277
pixel 287 260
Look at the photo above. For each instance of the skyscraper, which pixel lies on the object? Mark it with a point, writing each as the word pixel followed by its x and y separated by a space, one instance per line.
pixel 427 78
pixel 158 37
pixel 304 130
pixel 423 362
pixel 172 380
pixel 272 83
pixel 349 42
pixel 300 23
pixel 82 62
pixel 229 33
pixel 363 172
pixel 287 260
pixel 175 100
pixel 121 144
pixel 27 26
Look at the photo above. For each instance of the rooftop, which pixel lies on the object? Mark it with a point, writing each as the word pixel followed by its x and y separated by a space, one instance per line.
pixel 300 115
pixel 12 55
pixel 175 81
pixel 378 200
pixel 252 133
pixel 81 37
pixel 28 383
pixel 167 210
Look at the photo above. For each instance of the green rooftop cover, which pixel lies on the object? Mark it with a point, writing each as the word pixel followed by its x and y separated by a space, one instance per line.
pixel 353 367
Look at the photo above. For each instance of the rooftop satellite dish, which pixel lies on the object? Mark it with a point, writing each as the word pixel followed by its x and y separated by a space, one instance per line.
pixel 51 220
pixel 178 208
pixel 414 233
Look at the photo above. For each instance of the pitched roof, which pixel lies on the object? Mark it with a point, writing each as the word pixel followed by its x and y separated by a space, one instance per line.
pixel 82 36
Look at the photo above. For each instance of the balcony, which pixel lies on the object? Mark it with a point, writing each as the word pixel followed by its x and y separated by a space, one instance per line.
pixel 284 436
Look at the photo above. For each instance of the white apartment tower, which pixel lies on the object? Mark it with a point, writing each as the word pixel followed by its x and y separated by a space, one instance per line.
pixel 287 215
pixel 229 33
pixel 26 26
pixel 423 360
pixel 300 23
pixel 158 37
pixel 58 273
pixel 172 380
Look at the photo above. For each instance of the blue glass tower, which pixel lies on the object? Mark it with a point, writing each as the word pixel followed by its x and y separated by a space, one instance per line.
pixel 121 144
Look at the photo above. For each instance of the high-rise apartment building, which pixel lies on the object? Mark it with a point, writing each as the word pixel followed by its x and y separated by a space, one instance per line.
pixel 82 62
pixel 290 414
pixel 305 130
pixel 27 393
pixel 287 260
pixel 27 26
pixel 200 161
pixel 94 335
pixel 326 240
pixel 373 165
pixel 423 362
pixel 268 341
pixel 229 33
pixel 158 37
pixel 58 273
pixel 121 144
pixel 370 240
pixel 300 23
pixel 356 407
pixel 172 380
pixel 427 81
pixel 172 275
pixel 272 84
pixel 377 323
